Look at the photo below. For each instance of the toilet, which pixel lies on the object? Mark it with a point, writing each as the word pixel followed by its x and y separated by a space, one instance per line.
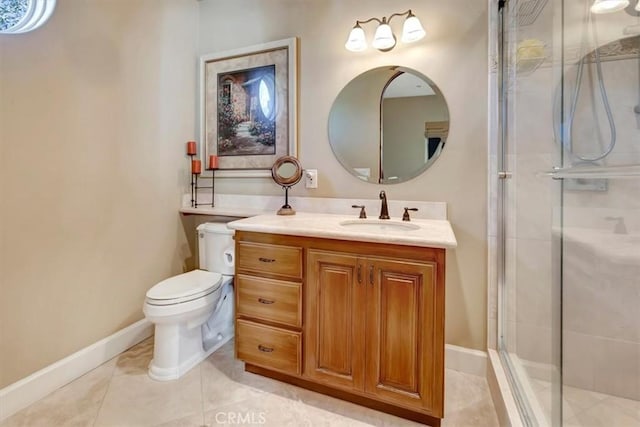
pixel 193 312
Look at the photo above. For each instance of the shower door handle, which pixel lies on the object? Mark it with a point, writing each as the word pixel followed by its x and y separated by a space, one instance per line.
pixel 504 175
pixel 600 172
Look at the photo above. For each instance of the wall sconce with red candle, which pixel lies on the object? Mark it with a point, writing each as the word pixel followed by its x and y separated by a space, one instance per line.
pixel 196 172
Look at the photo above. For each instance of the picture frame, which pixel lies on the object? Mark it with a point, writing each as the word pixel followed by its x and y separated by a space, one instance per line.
pixel 248 107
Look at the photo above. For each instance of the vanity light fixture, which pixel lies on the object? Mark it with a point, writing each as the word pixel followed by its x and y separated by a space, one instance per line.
pixel 609 6
pixel 384 40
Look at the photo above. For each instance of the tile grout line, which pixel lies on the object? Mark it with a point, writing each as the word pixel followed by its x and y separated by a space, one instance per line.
pixel 202 392
pixel 113 372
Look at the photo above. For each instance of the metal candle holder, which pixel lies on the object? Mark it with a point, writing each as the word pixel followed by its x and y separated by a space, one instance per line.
pixel 195 187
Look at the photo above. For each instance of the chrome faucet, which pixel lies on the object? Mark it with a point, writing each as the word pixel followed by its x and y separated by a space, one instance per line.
pixel 384 210
pixel 620 227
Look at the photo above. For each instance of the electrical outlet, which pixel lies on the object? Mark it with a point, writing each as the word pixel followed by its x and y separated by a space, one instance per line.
pixel 311 178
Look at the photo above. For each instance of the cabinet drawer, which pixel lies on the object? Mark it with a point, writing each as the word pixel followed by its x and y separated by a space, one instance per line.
pixel 272 259
pixel 268 299
pixel 268 347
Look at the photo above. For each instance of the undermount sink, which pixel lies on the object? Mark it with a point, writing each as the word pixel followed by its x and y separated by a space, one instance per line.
pixel 374 225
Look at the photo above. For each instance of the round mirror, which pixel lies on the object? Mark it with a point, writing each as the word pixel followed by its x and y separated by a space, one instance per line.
pixel 388 125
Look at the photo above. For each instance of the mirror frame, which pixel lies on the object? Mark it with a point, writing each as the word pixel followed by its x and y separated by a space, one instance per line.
pixel 286 182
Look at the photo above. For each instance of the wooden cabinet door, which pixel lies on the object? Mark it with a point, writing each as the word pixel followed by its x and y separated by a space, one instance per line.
pixel 401 360
pixel 334 320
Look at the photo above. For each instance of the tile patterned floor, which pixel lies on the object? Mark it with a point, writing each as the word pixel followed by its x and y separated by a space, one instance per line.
pixel 219 392
pixel 585 408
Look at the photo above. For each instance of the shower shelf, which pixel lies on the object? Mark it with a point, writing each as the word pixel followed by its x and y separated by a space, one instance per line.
pixel 611 172
pixel 531 53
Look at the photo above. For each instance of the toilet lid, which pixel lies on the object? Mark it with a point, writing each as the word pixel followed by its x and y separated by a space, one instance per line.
pixel 192 284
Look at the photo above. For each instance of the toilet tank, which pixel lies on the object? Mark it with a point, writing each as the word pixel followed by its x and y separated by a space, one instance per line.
pixel 216 248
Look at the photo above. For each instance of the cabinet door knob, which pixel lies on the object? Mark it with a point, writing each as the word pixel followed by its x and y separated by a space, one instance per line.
pixel 261 259
pixel 371 274
pixel 265 349
pixel 265 301
pixel 359 273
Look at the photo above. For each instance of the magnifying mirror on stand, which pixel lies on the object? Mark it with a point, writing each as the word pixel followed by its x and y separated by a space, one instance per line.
pixel 286 172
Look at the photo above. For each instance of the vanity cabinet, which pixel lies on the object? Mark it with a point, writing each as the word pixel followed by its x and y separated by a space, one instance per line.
pixel 360 321
pixel 370 326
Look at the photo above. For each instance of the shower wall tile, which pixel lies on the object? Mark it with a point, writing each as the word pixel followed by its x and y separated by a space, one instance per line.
pixel 533 278
pixel 602 365
pixel 601 292
pixel 492 219
pixel 618 371
pixel 533 113
pixel 578 363
pixel 534 343
pixel 533 197
pixel 492 291
pixel 510 196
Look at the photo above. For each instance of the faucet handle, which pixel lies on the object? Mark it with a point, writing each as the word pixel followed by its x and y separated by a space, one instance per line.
pixel 405 215
pixel 620 227
pixel 363 214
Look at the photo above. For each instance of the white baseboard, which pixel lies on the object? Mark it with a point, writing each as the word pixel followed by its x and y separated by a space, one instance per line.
pixel 28 390
pixel 465 360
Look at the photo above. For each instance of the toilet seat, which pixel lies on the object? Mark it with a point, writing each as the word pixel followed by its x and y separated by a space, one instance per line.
pixel 184 288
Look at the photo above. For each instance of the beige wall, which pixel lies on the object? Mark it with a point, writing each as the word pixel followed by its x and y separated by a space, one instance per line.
pixel 94 110
pixel 453 56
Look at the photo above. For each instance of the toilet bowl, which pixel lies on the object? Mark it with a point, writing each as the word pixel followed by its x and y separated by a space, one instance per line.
pixel 193 312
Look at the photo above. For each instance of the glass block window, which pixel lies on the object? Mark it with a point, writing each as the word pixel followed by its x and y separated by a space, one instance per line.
pixel 21 16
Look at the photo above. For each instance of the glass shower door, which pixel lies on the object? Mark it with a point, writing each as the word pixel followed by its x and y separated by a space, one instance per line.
pixel 569 206
pixel 530 207
pixel 600 174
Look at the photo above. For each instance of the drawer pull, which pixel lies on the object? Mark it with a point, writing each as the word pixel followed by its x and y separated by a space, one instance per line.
pixel 265 301
pixel 268 260
pixel 265 349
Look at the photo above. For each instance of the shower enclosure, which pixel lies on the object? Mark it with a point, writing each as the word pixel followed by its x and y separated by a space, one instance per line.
pixel 568 227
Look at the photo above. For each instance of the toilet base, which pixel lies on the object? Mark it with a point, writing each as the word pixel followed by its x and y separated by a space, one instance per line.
pixel 159 373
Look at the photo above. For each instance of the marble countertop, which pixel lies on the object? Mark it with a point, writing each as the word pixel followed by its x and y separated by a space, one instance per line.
pixel 426 232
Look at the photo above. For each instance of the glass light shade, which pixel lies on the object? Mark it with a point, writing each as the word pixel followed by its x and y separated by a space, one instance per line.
pixel 638 6
pixel 384 38
pixel 412 30
pixel 608 6
pixel 356 41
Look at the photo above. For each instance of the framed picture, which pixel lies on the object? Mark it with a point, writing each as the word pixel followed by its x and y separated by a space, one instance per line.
pixel 248 107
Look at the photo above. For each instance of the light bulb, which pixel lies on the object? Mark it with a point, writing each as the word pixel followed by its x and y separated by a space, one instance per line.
pixel 356 41
pixel 384 39
pixel 638 7
pixel 608 6
pixel 412 30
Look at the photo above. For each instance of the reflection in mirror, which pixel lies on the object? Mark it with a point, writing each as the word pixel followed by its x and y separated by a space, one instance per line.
pixel 287 172
pixel 388 125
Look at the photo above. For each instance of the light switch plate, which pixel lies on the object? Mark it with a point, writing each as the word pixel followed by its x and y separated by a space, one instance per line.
pixel 311 178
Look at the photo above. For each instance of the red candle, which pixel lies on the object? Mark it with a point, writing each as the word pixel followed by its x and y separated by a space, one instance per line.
pixel 213 162
pixel 191 148
pixel 196 167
